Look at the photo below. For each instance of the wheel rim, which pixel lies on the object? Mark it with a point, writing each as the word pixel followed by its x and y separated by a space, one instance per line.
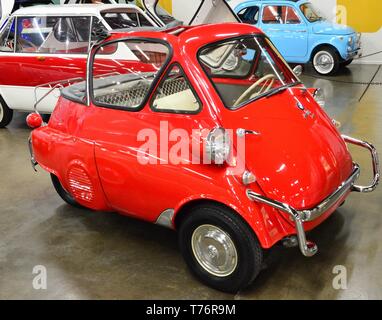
pixel 1 112
pixel 214 250
pixel 323 62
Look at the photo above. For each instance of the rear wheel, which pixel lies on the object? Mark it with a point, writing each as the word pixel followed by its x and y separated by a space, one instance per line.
pixel 326 61
pixel 65 195
pixel 6 114
pixel 219 248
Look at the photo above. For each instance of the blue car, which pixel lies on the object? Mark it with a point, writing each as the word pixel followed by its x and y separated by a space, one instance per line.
pixel 301 34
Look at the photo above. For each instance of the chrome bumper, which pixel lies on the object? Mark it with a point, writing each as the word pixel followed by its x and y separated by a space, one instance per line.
pixel 33 160
pixel 309 248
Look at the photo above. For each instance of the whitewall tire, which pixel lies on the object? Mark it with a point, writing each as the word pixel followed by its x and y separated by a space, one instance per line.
pixel 326 61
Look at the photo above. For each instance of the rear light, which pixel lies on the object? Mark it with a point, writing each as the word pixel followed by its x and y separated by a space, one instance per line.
pixel 34 120
pixel 218 146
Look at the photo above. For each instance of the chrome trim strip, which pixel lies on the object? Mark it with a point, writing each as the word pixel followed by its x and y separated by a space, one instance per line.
pixel 308 248
pixel 165 218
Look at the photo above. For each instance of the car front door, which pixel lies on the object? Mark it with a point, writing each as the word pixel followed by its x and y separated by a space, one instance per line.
pixel 39 50
pixel 287 30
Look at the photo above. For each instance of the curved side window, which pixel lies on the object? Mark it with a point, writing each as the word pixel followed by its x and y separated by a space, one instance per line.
pixel 175 93
pixel 124 72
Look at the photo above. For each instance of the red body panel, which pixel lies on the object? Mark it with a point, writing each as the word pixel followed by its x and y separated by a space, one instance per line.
pixel 297 159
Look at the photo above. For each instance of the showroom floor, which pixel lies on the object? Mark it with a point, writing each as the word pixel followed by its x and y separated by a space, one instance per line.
pixel 95 255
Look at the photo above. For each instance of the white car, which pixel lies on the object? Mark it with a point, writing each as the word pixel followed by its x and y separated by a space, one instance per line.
pixel 43 46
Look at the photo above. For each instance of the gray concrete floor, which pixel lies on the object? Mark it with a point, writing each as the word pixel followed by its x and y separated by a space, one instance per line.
pixel 96 255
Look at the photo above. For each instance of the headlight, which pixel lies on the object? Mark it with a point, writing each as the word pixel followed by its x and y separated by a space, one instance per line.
pixel 319 96
pixel 350 41
pixel 218 146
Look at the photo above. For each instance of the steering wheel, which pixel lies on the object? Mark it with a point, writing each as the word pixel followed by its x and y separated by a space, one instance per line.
pixel 268 80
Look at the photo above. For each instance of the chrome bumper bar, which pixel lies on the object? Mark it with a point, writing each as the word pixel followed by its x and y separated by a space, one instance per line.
pixel 33 160
pixel 309 248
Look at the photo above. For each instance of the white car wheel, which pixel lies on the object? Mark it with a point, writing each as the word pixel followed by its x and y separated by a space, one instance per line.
pixel 326 62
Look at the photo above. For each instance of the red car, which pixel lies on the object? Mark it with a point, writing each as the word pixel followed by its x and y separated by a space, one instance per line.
pixel 205 130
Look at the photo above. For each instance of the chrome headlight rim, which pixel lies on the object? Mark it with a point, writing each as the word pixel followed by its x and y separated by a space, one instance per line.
pixel 218 146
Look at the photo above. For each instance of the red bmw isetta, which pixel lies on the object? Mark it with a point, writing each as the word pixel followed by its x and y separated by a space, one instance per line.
pixel 205 130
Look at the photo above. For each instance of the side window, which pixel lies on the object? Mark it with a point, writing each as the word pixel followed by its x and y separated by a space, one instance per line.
pixel 174 94
pixel 123 80
pixel 54 35
pixel 233 59
pixel 97 28
pixel 7 36
pixel 280 15
pixel 249 15
pixel 124 20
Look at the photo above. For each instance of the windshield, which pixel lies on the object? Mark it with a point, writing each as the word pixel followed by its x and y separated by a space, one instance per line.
pixel 245 69
pixel 310 12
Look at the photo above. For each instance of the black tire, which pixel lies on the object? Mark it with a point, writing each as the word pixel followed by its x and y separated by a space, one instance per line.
pixel 65 195
pixel 6 114
pixel 346 63
pixel 320 67
pixel 45 117
pixel 249 253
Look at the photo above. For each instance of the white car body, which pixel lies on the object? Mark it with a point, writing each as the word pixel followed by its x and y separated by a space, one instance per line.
pixel 23 97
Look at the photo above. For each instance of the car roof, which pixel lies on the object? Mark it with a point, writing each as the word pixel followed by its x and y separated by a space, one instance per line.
pixel 70 9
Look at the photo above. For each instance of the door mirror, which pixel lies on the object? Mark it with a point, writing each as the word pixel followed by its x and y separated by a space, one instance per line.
pixel 297 70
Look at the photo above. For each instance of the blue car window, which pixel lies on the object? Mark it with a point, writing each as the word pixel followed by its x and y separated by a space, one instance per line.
pixel 280 15
pixel 249 15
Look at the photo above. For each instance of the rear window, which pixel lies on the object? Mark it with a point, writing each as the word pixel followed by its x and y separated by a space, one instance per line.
pixel 123 78
pixel 126 19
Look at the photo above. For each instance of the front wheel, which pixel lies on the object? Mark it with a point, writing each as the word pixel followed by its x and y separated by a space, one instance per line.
pixel 346 63
pixel 65 195
pixel 326 61
pixel 219 248
pixel 6 114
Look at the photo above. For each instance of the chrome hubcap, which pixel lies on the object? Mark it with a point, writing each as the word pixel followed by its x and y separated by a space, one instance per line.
pixel 323 62
pixel 214 250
